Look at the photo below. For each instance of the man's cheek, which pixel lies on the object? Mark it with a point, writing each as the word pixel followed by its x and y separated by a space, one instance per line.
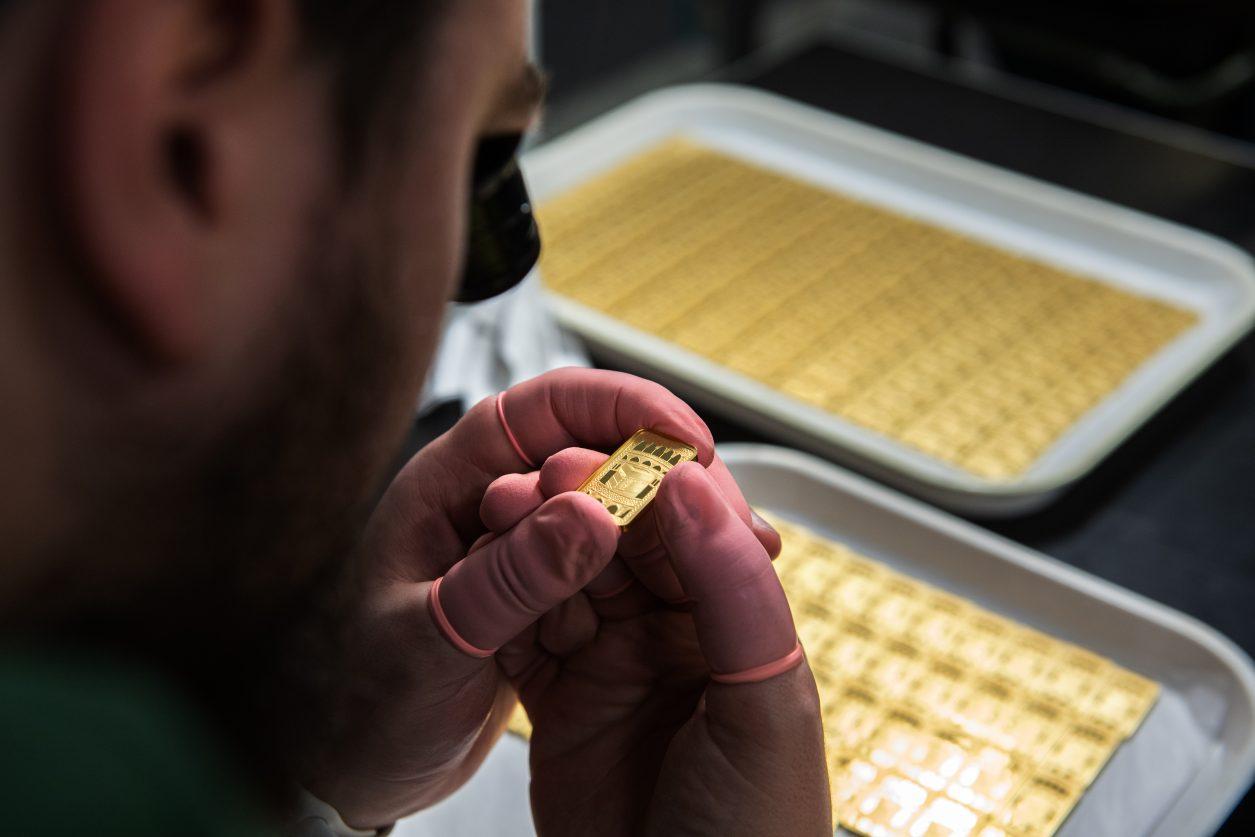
pixel 432 259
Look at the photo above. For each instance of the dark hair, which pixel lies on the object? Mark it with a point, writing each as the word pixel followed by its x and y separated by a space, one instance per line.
pixel 373 47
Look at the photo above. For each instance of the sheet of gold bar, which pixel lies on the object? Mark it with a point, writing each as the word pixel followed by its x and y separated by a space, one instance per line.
pixel 629 479
pixel 972 355
pixel 940 717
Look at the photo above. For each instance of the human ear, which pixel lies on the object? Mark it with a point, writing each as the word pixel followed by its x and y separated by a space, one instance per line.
pixel 150 148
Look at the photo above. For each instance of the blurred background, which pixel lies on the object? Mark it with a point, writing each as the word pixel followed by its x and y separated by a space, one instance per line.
pixel 1191 61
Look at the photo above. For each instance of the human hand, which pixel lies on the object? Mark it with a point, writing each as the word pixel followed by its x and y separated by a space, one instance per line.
pixel 657 718
pixel 417 716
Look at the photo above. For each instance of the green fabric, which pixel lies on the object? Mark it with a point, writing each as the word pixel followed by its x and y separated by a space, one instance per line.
pixel 89 748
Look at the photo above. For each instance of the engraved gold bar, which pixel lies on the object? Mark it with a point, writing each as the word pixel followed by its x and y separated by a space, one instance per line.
pixel 629 479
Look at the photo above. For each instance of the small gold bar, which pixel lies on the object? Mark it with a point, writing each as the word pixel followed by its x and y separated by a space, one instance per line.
pixel 629 479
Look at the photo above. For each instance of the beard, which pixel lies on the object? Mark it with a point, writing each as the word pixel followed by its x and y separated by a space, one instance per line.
pixel 218 548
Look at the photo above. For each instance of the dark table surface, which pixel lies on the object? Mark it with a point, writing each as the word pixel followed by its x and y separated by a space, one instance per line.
pixel 1171 514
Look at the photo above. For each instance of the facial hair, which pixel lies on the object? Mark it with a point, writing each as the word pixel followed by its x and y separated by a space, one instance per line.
pixel 224 558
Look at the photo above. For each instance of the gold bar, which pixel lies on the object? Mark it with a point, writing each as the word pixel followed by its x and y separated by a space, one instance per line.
pixel 629 479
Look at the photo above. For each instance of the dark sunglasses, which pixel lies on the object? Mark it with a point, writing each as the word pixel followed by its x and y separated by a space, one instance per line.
pixel 503 242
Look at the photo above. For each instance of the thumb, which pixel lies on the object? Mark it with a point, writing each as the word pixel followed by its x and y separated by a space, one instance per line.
pixel 494 593
pixel 742 617
pixel 760 739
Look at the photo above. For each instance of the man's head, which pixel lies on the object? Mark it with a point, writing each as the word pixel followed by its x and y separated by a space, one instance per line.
pixel 227 232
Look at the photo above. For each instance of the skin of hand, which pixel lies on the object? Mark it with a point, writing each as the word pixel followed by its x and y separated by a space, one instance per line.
pixel 417 715
pixel 631 734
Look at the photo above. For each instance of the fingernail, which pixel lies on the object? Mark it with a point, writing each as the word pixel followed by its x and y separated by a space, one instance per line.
pixel 760 523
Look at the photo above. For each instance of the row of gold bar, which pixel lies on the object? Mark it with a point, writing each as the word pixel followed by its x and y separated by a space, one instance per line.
pixel 970 354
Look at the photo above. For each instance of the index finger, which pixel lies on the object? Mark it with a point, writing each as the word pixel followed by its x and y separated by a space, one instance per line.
pixel 566 408
pixel 595 408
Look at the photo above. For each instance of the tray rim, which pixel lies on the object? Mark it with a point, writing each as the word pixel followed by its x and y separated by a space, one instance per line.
pixel 918 513
pixel 837 437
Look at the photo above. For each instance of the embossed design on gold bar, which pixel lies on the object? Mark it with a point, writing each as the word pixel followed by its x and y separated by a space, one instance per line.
pixel 629 479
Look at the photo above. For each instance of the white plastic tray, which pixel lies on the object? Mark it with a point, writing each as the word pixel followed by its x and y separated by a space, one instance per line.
pixel 1111 243
pixel 1179 775
pixel 1191 760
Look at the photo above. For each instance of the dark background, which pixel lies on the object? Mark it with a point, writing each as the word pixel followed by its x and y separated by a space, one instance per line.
pixel 1147 103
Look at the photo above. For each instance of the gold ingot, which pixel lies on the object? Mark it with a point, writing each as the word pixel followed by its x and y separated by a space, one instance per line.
pixel 1033 730
pixel 853 714
pixel 629 479
pixel 1039 806
pixel 885 805
pixel 1080 753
